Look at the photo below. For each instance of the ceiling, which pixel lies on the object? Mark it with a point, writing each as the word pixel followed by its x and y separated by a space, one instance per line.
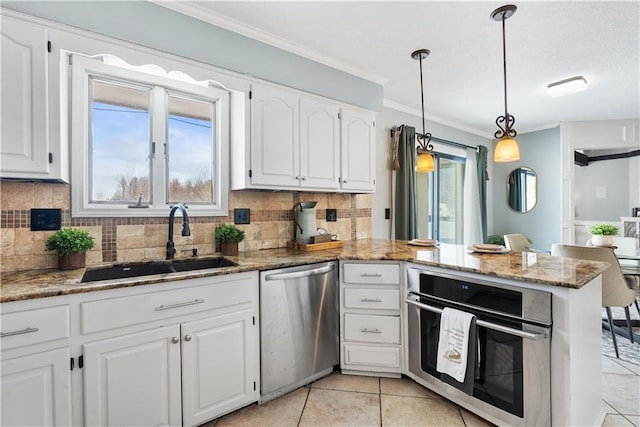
pixel 546 42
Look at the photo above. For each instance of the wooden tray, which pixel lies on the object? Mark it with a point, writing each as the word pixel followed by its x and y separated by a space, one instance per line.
pixel 315 246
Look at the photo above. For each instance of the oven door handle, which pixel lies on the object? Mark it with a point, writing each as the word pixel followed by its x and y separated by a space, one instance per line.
pixel 484 324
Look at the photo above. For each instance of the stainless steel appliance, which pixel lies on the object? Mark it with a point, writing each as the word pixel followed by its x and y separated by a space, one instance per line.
pixel 512 378
pixel 299 318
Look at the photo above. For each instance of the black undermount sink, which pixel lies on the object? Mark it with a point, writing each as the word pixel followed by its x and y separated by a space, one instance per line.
pixel 123 271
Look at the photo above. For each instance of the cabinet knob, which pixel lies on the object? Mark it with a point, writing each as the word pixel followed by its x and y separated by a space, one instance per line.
pixel 298 177
pixel 187 338
pixel 175 340
pixel 304 178
pixel 344 181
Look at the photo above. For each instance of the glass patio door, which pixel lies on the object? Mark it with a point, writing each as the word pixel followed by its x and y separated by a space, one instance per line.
pixel 442 188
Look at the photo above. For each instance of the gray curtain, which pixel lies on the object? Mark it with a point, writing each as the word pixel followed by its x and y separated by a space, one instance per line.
pixel 483 177
pixel 406 208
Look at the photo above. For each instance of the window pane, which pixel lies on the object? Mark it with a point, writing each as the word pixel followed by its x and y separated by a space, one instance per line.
pixel 119 170
pixel 424 191
pixel 451 180
pixel 190 150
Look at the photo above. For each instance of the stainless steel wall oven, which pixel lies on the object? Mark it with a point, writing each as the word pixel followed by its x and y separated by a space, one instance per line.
pixel 512 376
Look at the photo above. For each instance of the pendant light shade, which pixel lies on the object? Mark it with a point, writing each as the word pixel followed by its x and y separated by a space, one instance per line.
pixel 425 162
pixel 507 149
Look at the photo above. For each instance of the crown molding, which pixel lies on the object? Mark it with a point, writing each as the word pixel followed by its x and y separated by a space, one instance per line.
pixel 220 20
pixel 415 112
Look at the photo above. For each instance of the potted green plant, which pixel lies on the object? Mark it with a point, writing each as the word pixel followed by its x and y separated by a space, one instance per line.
pixel 602 234
pixel 229 236
pixel 71 246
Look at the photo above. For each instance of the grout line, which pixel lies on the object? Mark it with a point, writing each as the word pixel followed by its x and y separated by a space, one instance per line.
pixel 610 406
pixel 304 406
pixel 380 400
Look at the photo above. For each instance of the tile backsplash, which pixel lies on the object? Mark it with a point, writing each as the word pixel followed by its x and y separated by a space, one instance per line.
pixel 138 239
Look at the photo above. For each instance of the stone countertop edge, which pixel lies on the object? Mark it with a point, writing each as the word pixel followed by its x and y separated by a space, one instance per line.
pixel 522 266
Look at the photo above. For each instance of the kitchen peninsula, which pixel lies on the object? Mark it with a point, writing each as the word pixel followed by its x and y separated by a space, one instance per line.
pixel 574 284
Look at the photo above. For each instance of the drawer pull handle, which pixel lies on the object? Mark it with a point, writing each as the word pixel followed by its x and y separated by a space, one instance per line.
pixel 371 275
pixel 371 300
pixel 180 304
pixel 23 331
pixel 371 331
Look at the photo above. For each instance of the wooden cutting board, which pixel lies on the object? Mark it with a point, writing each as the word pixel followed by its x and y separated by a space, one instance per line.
pixel 315 246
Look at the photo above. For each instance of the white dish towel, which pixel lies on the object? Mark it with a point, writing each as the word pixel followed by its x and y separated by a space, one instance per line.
pixel 453 344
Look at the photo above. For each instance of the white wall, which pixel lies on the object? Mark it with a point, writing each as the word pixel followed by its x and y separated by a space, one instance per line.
pixel 539 151
pixel 387 118
pixel 602 190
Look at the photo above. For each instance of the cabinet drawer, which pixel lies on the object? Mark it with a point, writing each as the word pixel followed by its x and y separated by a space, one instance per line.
pixel 369 328
pixel 34 326
pixel 386 299
pixel 372 273
pixel 113 313
pixel 387 357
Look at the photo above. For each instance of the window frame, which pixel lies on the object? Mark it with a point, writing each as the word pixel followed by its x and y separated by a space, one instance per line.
pixel 82 69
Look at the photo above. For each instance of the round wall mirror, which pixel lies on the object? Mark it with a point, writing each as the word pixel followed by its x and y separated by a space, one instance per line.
pixel 522 189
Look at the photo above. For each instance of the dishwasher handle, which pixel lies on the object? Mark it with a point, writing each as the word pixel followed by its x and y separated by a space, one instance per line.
pixel 298 274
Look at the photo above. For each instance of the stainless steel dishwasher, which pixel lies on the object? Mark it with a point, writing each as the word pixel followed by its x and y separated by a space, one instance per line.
pixel 299 318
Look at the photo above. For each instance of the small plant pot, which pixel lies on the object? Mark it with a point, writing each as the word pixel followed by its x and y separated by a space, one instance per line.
pixel 597 240
pixel 71 261
pixel 229 248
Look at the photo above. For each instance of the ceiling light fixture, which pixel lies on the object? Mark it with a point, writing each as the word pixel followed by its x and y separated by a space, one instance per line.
pixel 567 86
pixel 425 158
pixel 507 149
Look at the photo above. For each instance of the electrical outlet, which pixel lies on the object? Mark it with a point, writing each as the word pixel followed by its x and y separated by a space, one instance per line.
pixel 387 213
pixel 46 219
pixel 332 215
pixel 242 216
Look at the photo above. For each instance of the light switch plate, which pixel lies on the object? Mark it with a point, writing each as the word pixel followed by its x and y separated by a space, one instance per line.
pixel 242 216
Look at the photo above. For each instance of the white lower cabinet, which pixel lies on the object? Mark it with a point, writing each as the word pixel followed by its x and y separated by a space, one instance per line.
pixel 200 363
pixel 36 389
pixel 181 374
pixel 217 355
pixel 370 333
pixel 133 379
pixel 177 353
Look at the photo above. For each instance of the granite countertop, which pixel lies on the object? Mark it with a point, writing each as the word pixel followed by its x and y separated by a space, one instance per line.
pixel 523 266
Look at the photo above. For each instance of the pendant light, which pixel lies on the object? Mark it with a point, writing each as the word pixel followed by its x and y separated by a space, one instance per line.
pixel 507 148
pixel 425 162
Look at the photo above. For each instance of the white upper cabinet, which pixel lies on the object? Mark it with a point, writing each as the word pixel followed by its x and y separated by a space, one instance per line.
pixel 28 150
pixel 296 143
pixel 275 137
pixel 319 144
pixel 358 150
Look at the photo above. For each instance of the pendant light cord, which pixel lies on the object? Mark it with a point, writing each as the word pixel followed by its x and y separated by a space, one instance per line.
pixel 504 68
pixel 422 96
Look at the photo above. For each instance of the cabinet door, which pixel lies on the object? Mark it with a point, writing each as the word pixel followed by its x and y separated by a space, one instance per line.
pixel 218 356
pixel 319 144
pixel 25 137
pixel 36 389
pixel 133 379
pixel 275 139
pixel 358 172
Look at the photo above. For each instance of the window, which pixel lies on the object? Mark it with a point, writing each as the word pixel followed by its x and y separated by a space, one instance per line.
pixel 143 141
pixel 442 188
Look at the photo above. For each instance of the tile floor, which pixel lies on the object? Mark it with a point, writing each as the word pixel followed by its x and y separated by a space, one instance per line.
pixel 347 400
